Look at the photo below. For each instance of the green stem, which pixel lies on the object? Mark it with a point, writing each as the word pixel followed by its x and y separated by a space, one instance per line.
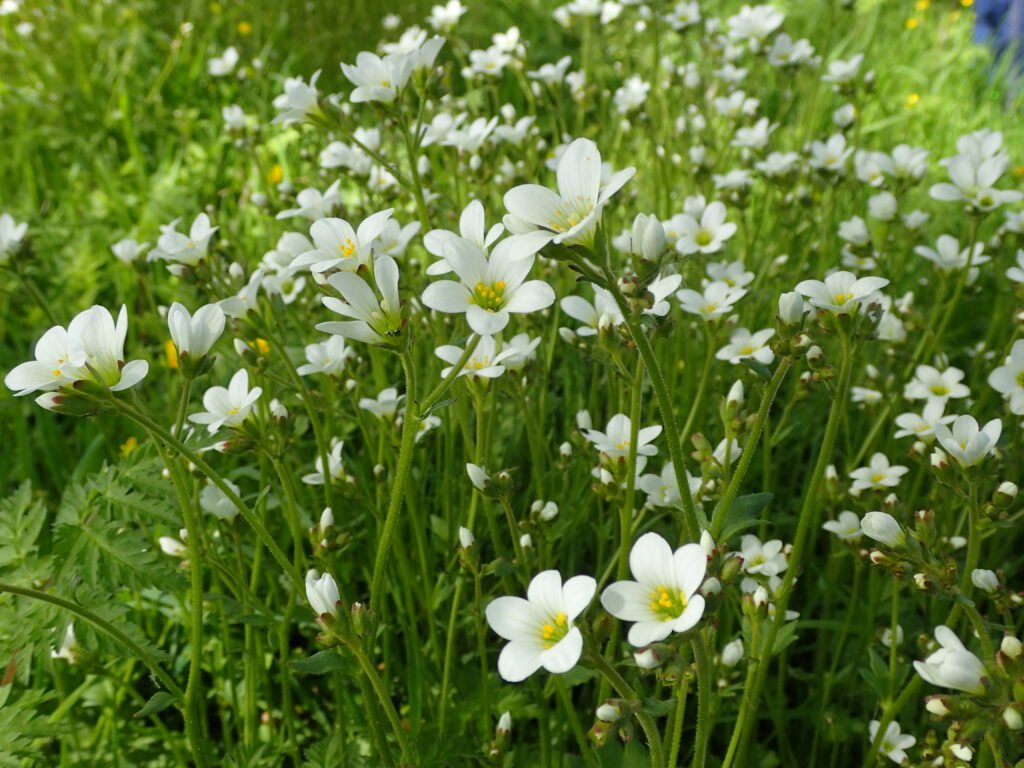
pixel 808 511
pixel 158 431
pixel 385 701
pixel 702 386
pixel 722 508
pixel 675 734
pixel 438 392
pixel 704 724
pixel 694 520
pixel 387 535
pixel 626 691
pixel 574 722
pixel 626 512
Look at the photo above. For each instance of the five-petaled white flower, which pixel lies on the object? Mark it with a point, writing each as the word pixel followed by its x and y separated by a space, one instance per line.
pixel 181 249
pixel 706 233
pixel 600 316
pixel 340 246
pixel 322 593
pixel 663 598
pixel 540 628
pixel 846 527
pixel 840 292
pixel 717 299
pixel 877 475
pixel 570 215
pixel 966 442
pixel 894 744
pixel 743 344
pixel 230 406
pixel 490 287
pixel 615 441
pixel 933 385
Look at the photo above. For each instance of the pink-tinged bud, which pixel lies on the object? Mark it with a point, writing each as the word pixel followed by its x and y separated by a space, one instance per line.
pixel 648 658
pixel 937 706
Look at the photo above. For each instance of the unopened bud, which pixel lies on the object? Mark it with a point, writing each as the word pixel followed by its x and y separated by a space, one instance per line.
pixel 1011 646
pixel 985 580
pixel 1013 718
pixel 609 712
pixel 466 538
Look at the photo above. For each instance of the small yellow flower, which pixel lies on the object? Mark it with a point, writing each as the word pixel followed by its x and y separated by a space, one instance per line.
pixel 966 3
pixel 911 23
pixel 912 100
pixel 244 28
pixel 128 446
pixel 262 346
pixel 276 174
pixel 1018 170
pixel 172 355
pixel 922 5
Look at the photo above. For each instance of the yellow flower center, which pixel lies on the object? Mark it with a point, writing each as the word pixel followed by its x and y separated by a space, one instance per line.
pixel 878 477
pixel 564 221
pixel 233 411
pixel 940 390
pixel 842 297
pixel 747 350
pixel 667 603
pixel 347 248
pixel 554 630
pixel 489 297
pixel 703 237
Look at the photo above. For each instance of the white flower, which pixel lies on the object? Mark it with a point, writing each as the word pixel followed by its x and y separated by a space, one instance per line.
pixel 922 426
pixel 518 351
pixel 717 299
pixel 791 308
pixel 894 743
pixel 504 724
pixel 936 386
pixel 778 164
pixel 974 182
pixel 663 598
pixel 478 476
pixel 683 15
pixel 492 286
pixel 11 235
pixel 187 250
pixel 1008 379
pixel 966 443
pixel 540 628
pixel 172 547
pixel 127 251
pixel 744 344
pixel 91 349
pixel 340 246
pixel 445 17
pixel 335 466
pixel 571 214
pixel 841 292
pixel 244 301
pixel 322 593
pixel 472 227
pixel 374 320
pixel 630 95
pixel 877 475
pixel 663 490
pixel 228 407
pixel 313 205
pixel 298 100
pixel 194 335
pixel 755 24
pixel 490 62
pixel 882 206
pixel 755 136
pixel 840 71
pixel 734 273
pixel 222 65
pixel 234 117
pixel 552 74
pixel 846 527
pixel 1016 273
pixel 765 559
pixel 486 362
pixel 602 315
pixel 706 235
pixel 385 405
pixel 948 256
pixel 69 649
pixel 376 78
pixel 985 580
pixel 217 503
pixel 327 357
pixel 831 155
pixel 952 666
pixel 614 442
pixel 466 538
pixel 883 527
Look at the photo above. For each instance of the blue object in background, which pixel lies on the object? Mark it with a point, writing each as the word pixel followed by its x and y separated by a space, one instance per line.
pixel 1000 23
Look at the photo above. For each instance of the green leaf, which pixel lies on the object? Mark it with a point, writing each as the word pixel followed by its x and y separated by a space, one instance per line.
pixel 744 513
pixel 21 520
pixel 321 663
pixel 158 702
pixel 657 708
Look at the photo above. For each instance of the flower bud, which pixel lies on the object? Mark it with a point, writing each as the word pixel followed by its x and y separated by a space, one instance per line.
pixel 322 593
pixel 504 724
pixel 478 476
pixel 882 527
pixel 707 543
pixel 791 308
pixel 466 538
pixel 326 519
pixel 711 587
pixel 549 511
pixel 1013 718
pixel 1011 646
pixel 648 658
pixel 609 712
pixel 735 396
pixel 732 652
pixel 565 450
pixel 647 240
pixel 937 706
pixel 985 580
pixel 1005 494
pixel 526 541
